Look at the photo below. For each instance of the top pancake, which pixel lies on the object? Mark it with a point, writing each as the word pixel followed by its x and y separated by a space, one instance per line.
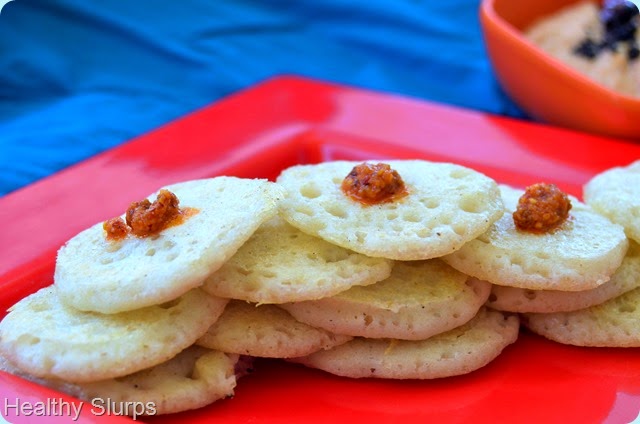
pixel 447 206
pixel 615 194
pixel 581 254
pixel 109 276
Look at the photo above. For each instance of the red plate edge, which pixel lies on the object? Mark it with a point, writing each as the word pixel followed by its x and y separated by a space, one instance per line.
pixel 289 120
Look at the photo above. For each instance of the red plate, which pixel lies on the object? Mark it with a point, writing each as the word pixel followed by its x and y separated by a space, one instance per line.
pixel 286 121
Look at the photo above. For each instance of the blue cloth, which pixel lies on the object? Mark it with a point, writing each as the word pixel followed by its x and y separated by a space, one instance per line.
pixel 78 77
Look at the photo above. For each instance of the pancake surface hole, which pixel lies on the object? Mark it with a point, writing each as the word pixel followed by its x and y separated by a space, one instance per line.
pixel 430 203
pixel 543 255
pixel 628 308
pixel 310 191
pixel 268 274
pixel 470 204
pixel 412 216
pixel 28 340
pixel 397 227
pixel 304 210
pixel 334 255
pixel 113 247
pixel 336 211
pixel 459 229
pixel 460 173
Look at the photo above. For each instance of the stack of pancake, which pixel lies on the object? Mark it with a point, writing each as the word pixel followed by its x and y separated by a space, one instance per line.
pixel 122 318
pixel 430 285
pixel 608 315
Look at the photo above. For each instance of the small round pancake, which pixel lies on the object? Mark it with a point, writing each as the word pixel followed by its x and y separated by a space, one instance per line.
pixel 196 377
pixel 459 351
pixel 46 338
pixel 419 299
pixel 615 193
pixel 280 263
pixel 615 323
pixel 266 331
pixel 110 276
pixel 513 299
pixel 447 205
pixel 581 254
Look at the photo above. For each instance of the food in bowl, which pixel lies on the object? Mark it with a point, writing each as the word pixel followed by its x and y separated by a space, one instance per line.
pixel 599 41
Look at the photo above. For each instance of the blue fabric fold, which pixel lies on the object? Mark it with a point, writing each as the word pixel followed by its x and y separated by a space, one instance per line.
pixel 79 77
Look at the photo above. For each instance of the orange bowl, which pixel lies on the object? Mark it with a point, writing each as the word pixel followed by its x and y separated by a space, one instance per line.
pixel 545 88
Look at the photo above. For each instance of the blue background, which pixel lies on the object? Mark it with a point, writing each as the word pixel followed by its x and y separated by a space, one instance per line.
pixel 79 77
